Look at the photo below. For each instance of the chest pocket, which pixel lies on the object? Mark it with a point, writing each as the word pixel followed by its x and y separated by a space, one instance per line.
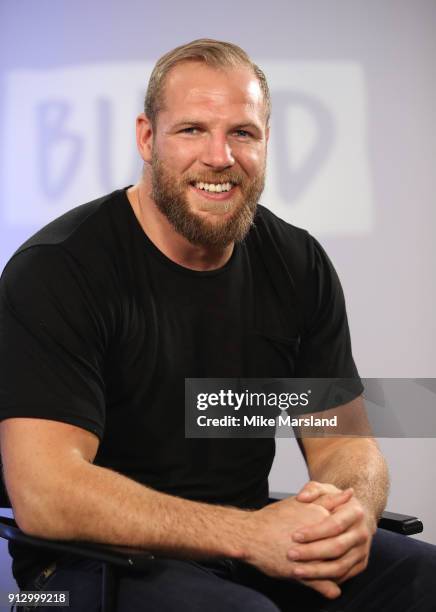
pixel 271 355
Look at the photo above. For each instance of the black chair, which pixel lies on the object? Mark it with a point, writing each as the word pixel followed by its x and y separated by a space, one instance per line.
pixel 113 557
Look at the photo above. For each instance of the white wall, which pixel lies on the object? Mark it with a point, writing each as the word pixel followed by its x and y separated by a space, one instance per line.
pixel 352 152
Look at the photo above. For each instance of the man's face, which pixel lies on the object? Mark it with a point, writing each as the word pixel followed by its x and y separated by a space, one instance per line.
pixel 209 152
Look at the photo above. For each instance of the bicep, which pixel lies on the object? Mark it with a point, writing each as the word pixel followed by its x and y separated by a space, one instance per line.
pixel 35 451
pixel 53 344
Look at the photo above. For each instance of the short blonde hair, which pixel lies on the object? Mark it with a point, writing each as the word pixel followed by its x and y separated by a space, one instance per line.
pixel 215 53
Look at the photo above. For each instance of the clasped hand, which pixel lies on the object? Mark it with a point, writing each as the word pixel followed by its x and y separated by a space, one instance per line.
pixel 337 548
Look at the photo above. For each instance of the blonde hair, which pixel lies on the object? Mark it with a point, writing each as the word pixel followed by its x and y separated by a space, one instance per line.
pixel 215 53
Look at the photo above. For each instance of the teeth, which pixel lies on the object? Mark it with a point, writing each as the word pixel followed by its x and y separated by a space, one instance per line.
pixel 214 187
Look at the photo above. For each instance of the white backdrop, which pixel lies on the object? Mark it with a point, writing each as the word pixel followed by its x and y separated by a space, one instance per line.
pixel 351 157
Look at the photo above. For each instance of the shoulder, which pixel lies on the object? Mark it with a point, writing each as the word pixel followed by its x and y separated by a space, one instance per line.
pixel 278 229
pixel 294 245
pixel 78 225
pixel 72 260
pixel 83 239
pixel 295 250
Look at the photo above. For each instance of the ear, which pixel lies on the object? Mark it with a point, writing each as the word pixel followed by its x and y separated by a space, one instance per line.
pixel 144 137
pixel 267 133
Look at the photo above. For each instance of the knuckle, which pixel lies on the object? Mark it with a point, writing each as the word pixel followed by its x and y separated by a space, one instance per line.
pixel 359 566
pixel 361 541
pixel 293 574
pixel 338 570
pixel 338 523
pixel 360 513
pixel 311 486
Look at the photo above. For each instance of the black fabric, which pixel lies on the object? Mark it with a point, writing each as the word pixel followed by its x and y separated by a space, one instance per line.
pixel 99 329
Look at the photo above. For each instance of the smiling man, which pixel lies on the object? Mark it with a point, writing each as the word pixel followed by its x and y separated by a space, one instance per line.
pixel 205 147
pixel 107 310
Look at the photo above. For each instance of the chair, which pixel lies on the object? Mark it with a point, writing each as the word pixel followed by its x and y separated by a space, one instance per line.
pixel 113 557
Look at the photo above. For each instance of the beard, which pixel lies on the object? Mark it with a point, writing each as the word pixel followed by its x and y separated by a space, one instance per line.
pixel 169 194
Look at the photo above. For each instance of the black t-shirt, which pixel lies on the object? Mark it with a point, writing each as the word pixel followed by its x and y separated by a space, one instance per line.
pixel 99 329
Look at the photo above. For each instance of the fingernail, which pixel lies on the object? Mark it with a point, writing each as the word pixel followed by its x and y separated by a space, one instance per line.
pixel 299 571
pixel 299 537
pixel 293 555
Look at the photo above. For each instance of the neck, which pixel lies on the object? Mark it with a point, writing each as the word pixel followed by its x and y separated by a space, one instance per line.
pixel 163 235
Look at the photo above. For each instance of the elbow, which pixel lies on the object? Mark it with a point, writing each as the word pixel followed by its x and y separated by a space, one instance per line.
pixel 38 515
pixel 27 524
pixel 31 521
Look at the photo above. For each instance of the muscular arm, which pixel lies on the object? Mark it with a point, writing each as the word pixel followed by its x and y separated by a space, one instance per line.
pixel 338 547
pixel 57 492
pixel 351 462
pixel 355 463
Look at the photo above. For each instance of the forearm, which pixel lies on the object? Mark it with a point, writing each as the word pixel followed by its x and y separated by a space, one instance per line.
pixel 91 503
pixel 357 463
pixel 96 504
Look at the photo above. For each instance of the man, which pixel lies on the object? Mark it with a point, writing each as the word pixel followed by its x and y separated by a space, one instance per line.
pixel 108 309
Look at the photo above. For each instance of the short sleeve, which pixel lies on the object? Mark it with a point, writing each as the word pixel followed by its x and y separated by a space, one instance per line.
pixel 52 341
pixel 325 349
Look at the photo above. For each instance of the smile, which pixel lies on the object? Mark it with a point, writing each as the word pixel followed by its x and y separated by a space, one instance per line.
pixel 214 187
pixel 214 191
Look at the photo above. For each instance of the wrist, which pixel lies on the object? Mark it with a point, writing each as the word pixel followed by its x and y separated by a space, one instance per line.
pixel 372 521
pixel 371 517
pixel 242 544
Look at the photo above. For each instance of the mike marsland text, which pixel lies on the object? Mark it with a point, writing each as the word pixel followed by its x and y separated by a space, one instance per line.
pixel 261 421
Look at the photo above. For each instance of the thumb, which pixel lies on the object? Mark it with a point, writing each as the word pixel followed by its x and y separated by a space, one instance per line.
pixel 310 491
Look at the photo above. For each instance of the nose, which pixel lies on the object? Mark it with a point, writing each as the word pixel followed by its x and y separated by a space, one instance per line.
pixel 217 152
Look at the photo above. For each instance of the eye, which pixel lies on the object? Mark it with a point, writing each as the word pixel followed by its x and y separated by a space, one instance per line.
pixel 189 130
pixel 242 133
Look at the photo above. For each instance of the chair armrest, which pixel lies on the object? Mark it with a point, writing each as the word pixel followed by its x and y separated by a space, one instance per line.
pixel 122 556
pixel 400 523
pixel 392 521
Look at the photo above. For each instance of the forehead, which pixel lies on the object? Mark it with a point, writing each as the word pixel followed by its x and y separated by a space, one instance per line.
pixel 195 86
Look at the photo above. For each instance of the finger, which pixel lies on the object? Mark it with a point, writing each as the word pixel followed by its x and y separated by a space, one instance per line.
pixel 333 570
pixel 359 567
pixel 328 588
pixel 313 489
pixel 329 548
pixel 331 526
pixel 331 501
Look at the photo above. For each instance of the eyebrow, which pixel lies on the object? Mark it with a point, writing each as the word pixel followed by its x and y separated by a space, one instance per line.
pixel 238 126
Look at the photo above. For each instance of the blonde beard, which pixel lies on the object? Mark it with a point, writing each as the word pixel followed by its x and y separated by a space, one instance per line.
pixel 169 196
